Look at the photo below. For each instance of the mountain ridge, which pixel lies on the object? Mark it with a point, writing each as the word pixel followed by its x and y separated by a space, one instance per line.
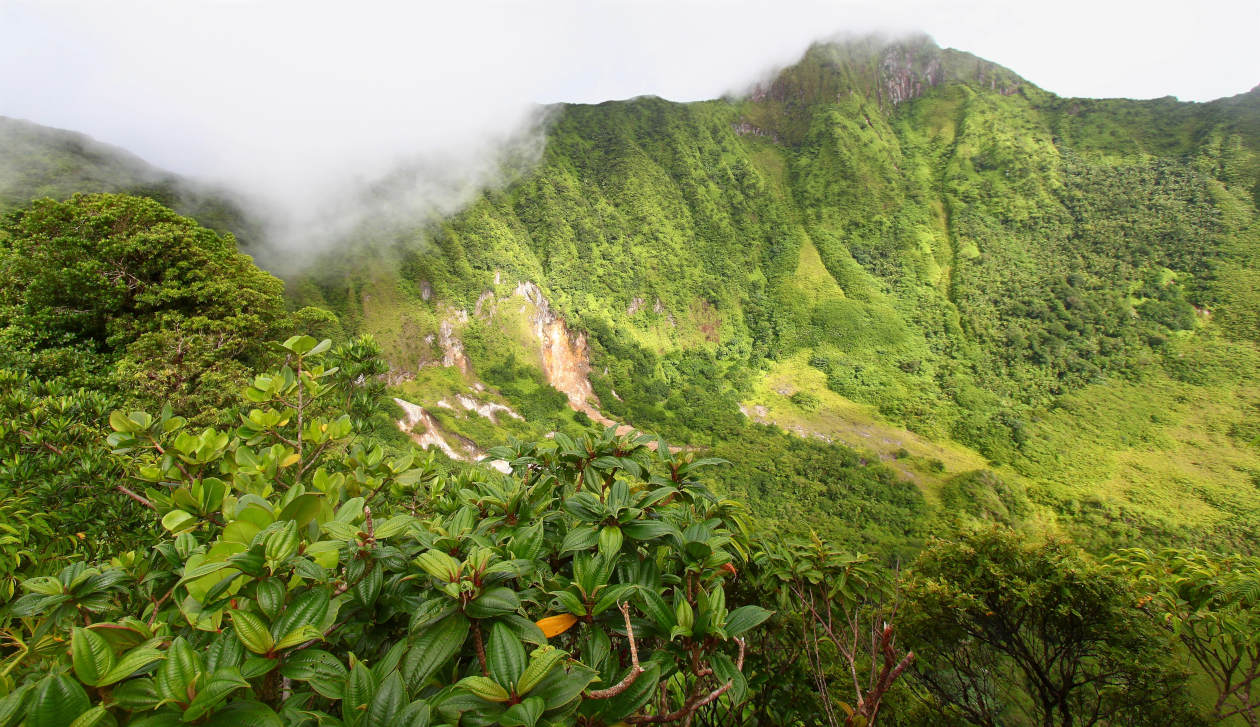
pixel 885 238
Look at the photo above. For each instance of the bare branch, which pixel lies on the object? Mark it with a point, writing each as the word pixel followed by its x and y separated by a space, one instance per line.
pixel 695 701
pixel 635 669
pixel 142 500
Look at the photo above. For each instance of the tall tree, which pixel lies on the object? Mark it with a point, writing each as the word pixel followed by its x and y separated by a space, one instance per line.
pixel 1034 633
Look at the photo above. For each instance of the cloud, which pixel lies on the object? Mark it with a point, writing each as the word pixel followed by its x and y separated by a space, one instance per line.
pixel 302 105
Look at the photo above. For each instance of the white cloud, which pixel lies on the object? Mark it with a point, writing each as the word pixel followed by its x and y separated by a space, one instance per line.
pixel 289 100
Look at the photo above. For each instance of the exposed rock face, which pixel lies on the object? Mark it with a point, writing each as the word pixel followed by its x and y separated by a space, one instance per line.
pixel 433 436
pixel 903 76
pixel 745 128
pixel 564 356
pixel 452 347
pixel 487 409
pixel 485 306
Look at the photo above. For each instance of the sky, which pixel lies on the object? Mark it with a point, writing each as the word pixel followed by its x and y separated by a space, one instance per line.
pixel 290 101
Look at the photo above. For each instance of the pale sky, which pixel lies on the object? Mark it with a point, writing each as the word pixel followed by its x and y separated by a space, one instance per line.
pixel 288 98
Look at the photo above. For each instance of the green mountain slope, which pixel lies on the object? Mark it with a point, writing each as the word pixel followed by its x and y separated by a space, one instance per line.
pixel 887 268
pixel 904 249
pixel 38 161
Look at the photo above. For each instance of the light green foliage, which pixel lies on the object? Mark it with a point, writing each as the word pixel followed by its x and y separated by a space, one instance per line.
pixel 306 575
pixel 57 493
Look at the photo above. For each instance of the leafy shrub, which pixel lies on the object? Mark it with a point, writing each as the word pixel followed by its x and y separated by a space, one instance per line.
pixel 309 577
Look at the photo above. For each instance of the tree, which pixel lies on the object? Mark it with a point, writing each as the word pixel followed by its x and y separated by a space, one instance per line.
pixel 1034 632
pixel 845 604
pixel 121 288
pixel 1211 605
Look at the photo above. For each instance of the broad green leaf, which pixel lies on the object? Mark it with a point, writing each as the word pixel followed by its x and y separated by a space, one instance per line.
pixel 485 688
pixel 684 615
pixel 634 697
pixel 91 656
pixel 439 565
pixel 56 702
pixel 251 713
pixel 252 632
pixel 493 602
pixel 256 666
pixel 178 521
pixel 14 705
pixel 308 608
pixel 269 593
pixel 214 692
pixel 505 656
pixel 369 586
pixel 43 585
pixel 323 671
pixel 523 714
pixel 132 662
pixel 744 618
pixel 359 691
pixel 298 636
pixel 177 672
pixel 725 671
pixel 562 686
pixel 393 526
pixel 281 544
pixel 303 509
pixel 610 540
pixel 137 695
pixel 416 714
pixel 541 662
pixel 387 703
pixel 95 717
pixel 582 537
pixel 647 529
pixel 432 649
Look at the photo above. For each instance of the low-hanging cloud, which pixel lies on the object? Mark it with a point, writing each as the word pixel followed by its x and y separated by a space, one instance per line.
pixel 306 107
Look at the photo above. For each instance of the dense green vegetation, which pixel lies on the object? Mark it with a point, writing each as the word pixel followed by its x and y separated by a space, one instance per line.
pixel 962 253
pixel 970 368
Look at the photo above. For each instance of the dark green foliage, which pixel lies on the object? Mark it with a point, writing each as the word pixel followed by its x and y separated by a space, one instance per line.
pixel 109 288
pixel 982 496
pixel 37 161
pixel 809 485
pixel 1012 632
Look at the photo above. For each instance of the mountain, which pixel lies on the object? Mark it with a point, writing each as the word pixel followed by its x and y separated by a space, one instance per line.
pixel 38 161
pixel 904 249
pixel 895 282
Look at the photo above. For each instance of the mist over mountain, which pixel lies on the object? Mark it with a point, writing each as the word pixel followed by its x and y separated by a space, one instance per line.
pixel 891 330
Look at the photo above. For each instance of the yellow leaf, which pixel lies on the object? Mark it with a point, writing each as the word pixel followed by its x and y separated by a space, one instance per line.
pixel 556 625
pixel 291 460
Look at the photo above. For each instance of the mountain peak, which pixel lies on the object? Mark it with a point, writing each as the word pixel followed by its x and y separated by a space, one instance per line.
pixel 887 70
